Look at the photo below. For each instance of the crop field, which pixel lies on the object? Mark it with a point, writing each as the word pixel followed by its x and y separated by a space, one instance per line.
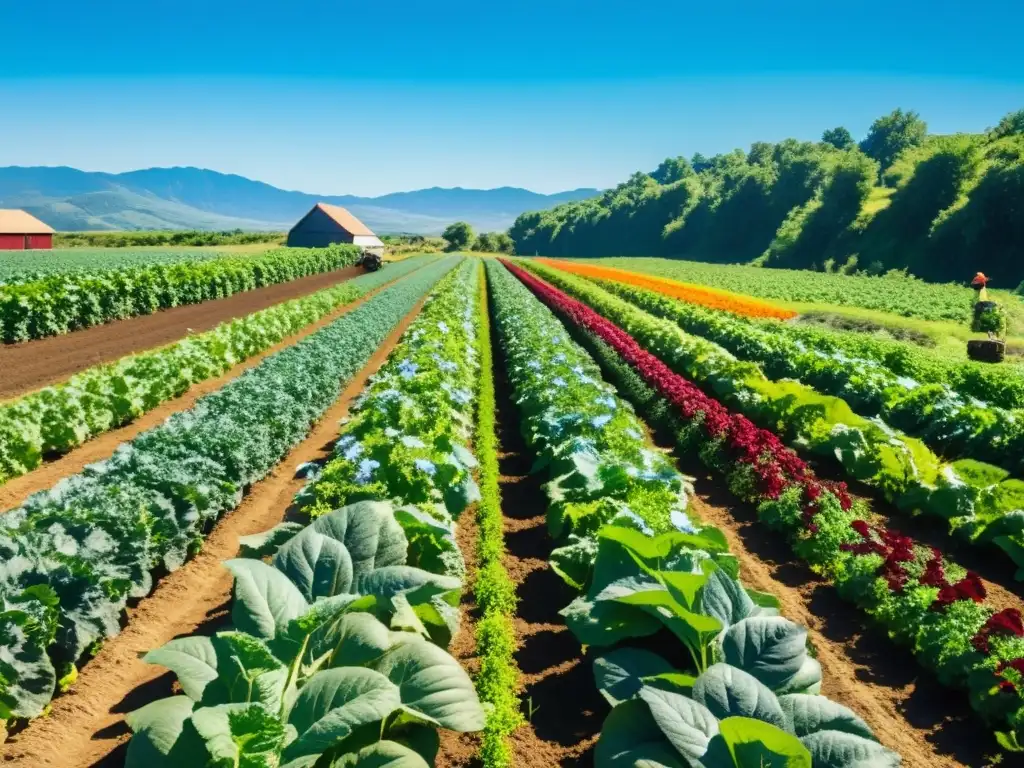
pixel 905 297
pixel 25 266
pixel 500 512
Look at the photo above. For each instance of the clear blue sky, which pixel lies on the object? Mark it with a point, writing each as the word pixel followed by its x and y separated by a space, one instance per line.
pixel 383 95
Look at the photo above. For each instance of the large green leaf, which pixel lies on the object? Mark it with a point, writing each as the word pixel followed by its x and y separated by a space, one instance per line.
pixel 807 714
pixel 724 598
pixel 688 725
pixel 27 675
pixel 745 742
pixel 621 673
pixel 771 648
pixel 370 533
pixel 357 639
pixel 433 684
pixel 192 659
pixel 265 599
pixel 838 749
pixel 318 565
pixel 728 691
pixel 240 735
pixel 630 738
pixel 695 630
pixel 607 623
pixel 162 737
pixel 383 754
pixel 260 545
pixel 333 703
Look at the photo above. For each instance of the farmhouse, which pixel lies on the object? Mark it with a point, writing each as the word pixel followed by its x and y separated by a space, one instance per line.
pixel 327 224
pixel 20 230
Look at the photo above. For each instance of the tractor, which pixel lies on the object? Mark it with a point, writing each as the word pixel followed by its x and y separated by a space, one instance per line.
pixel 370 261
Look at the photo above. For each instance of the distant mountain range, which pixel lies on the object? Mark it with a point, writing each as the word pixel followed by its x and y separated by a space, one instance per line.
pixel 194 198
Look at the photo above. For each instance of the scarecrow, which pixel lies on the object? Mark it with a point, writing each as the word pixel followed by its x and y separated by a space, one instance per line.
pixel 988 318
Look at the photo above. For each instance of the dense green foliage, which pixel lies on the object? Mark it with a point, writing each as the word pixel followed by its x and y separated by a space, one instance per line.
pixel 26 266
pixel 56 419
pixel 458 236
pixel 892 134
pixel 940 206
pixel 493 242
pixel 74 555
pixel 133 239
pixel 61 303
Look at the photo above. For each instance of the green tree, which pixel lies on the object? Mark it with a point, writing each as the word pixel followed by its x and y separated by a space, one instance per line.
pixel 672 169
pixel 502 243
pixel 838 137
pixel 700 163
pixel 458 236
pixel 891 134
pixel 1010 125
pixel 484 243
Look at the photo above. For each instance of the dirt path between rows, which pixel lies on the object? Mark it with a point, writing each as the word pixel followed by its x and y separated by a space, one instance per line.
pixel 557 678
pixel 460 750
pixel 86 726
pixel 35 364
pixel 14 492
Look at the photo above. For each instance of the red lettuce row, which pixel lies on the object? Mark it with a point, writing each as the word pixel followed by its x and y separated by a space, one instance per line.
pixel 922 598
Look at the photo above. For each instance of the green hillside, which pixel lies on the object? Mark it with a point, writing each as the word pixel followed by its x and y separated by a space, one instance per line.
pixel 940 207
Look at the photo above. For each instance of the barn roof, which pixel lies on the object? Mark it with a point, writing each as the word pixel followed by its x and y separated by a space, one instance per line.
pixel 15 222
pixel 345 220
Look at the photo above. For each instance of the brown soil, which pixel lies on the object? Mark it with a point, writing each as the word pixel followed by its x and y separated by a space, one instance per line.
pixel 557 679
pixel 86 726
pixel 41 362
pixel 460 749
pixel 14 492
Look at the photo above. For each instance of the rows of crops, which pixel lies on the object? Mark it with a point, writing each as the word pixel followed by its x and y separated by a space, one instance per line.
pixel 26 266
pixel 62 302
pixel 900 296
pixel 347 642
pixel 52 421
pixel 74 555
pixel 919 594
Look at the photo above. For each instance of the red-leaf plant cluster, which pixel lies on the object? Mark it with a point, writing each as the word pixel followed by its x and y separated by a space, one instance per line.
pixel 777 467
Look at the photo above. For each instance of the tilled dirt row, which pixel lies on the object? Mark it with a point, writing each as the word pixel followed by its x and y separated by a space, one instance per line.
pixel 86 726
pixel 35 364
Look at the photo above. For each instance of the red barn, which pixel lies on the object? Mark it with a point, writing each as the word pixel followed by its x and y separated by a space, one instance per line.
pixel 20 231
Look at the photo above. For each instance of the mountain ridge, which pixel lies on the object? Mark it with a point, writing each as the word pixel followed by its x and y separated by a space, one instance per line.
pixel 187 197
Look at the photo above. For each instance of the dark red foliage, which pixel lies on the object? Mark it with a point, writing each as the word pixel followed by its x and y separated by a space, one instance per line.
pixel 774 466
pixel 1018 666
pixel 1006 622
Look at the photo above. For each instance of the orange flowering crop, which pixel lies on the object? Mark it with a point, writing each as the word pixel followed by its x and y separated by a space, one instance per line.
pixel 713 298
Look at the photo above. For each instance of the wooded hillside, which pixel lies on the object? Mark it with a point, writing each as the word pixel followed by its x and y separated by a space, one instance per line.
pixel 941 207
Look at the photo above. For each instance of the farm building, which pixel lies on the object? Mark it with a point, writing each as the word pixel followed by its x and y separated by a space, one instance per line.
pixel 327 224
pixel 20 231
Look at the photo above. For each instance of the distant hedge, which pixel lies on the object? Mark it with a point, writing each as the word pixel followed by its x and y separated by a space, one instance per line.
pixel 59 304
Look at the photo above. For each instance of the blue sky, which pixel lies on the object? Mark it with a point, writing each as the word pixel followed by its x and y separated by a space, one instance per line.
pixel 379 96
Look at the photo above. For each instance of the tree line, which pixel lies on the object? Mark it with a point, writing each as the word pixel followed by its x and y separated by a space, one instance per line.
pixel 940 207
